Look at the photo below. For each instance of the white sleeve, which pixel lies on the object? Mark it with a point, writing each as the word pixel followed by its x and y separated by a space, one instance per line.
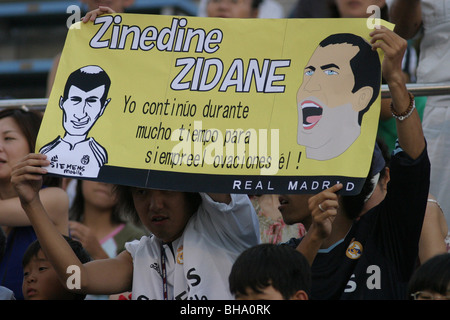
pixel 133 246
pixel 235 223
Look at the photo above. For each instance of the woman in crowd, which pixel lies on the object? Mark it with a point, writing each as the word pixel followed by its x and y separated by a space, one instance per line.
pixel 18 133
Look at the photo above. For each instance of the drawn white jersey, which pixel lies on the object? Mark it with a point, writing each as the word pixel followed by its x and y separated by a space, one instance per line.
pixel 83 159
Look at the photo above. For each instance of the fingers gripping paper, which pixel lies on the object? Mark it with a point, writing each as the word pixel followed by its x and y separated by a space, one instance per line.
pixel 217 105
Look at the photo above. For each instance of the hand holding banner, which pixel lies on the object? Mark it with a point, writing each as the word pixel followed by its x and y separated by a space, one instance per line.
pixel 217 105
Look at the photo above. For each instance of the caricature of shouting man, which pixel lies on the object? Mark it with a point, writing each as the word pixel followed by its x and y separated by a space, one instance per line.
pixel 340 82
pixel 83 102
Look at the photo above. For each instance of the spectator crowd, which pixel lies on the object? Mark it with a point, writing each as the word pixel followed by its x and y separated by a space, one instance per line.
pixel 389 242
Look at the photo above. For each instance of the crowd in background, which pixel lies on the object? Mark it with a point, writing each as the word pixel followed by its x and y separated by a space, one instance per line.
pixel 392 241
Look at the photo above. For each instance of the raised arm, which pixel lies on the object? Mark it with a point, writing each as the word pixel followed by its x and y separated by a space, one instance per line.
pixel 407 17
pixel 55 200
pixel 434 231
pixel 324 208
pixel 105 276
pixel 220 197
pixel 409 127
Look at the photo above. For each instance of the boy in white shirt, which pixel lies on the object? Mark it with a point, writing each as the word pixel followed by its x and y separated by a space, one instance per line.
pixel 199 239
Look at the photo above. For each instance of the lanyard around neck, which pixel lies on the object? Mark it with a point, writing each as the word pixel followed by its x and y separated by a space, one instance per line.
pixel 164 272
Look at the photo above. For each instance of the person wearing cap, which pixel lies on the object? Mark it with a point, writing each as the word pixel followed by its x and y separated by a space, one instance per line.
pixel 432 240
pixel 372 255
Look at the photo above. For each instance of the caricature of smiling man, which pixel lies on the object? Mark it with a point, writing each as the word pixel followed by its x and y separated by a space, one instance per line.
pixel 83 102
pixel 340 82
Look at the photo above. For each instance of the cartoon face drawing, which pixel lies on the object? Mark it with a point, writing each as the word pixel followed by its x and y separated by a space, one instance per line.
pixel 83 102
pixel 340 82
pixel 81 110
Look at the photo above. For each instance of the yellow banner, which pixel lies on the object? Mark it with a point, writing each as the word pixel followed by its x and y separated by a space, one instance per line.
pixel 218 105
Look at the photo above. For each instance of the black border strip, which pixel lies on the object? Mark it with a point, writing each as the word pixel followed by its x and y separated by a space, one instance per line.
pixel 247 184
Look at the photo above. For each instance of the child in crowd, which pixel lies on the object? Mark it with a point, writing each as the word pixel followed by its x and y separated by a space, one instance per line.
pixel 195 240
pixel 431 281
pixel 19 128
pixel 40 281
pixel 270 272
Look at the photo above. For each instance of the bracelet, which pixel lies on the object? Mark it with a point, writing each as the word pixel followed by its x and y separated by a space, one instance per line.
pixel 435 201
pixel 402 116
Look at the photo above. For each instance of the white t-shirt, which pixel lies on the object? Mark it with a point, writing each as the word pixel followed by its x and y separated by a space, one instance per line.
pixel 199 262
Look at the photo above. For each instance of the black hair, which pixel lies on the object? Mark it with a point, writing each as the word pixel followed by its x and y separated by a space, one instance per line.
pixel 281 266
pixel 29 122
pixel 353 204
pixel 34 247
pixel 125 199
pixel 334 11
pixel 76 211
pixel 256 3
pixel 85 80
pixel 365 65
pixel 432 275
